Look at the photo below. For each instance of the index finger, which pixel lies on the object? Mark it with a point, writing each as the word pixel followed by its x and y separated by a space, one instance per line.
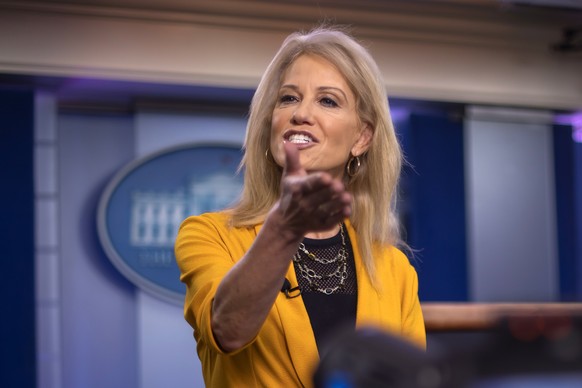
pixel 292 164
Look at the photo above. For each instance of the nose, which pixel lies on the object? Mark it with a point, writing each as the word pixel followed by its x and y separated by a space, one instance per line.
pixel 302 114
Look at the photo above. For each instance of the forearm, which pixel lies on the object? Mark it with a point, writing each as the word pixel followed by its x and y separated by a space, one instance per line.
pixel 247 293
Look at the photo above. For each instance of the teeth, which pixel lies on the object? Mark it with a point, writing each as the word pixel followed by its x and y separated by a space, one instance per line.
pixel 300 139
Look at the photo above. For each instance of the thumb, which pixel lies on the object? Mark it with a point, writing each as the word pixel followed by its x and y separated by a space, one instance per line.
pixel 292 164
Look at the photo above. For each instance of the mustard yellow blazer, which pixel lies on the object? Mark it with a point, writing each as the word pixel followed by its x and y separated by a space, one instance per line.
pixel 284 353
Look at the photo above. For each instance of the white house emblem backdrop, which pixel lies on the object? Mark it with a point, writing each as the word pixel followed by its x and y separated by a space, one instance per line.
pixel 142 207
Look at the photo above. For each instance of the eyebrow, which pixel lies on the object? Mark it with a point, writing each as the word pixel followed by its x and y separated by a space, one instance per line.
pixel 320 89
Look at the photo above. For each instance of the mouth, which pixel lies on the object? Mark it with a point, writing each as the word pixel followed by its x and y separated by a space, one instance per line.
pixel 300 138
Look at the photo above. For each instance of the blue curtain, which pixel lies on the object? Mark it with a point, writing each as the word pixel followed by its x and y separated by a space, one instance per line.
pixel 17 325
pixel 568 173
pixel 433 202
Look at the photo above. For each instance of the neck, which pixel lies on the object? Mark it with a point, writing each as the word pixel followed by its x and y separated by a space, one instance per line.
pixel 324 234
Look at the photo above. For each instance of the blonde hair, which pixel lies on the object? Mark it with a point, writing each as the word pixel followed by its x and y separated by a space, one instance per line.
pixel 374 186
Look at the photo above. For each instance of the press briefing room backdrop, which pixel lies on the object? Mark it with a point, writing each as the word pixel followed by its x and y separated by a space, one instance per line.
pixel 119 118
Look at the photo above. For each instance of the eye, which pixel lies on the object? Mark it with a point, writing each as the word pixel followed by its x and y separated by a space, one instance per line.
pixel 287 98
pixel 328 102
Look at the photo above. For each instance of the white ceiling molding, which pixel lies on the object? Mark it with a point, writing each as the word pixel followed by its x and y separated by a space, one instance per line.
pixel 475 51
pixel 509 115
pixel 573 4
pixel 472 22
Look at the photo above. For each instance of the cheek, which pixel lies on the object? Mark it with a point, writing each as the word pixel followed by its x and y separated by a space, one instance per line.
pixel 276 144
pixel 275 123
pixel 345 136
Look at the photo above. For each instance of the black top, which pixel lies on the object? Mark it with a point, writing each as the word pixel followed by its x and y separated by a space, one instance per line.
pixel 327 312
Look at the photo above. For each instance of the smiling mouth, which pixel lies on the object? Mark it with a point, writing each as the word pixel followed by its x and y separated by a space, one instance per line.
pixel 300 139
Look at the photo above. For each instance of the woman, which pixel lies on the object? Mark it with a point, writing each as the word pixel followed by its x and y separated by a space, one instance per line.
pixel 321 166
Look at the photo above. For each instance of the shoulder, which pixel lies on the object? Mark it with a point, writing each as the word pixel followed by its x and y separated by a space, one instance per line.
pixel 215 220
pixel 207 227
pixel 395 273
pixel 391 254
pixel 392 260
pixel 212 217
pixel 398 257
pixel 385 256
pixel 215 228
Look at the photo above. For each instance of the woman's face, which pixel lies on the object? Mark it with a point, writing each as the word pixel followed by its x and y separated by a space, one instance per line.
pixel 316 110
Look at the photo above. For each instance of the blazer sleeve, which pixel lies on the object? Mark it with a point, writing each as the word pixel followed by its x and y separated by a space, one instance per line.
pixel 412 318
pixel 204 258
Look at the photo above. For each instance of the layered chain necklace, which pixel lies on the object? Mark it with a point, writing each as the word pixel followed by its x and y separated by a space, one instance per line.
pixel 316 281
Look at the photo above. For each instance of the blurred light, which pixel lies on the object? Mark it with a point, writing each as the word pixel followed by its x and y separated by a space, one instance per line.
pixel 575 120
pixel 399 114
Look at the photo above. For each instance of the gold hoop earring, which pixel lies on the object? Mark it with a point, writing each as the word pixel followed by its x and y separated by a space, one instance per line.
pixel 352 169
pixel 268 156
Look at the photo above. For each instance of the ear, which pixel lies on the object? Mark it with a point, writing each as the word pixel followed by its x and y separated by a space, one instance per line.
pixel 363 141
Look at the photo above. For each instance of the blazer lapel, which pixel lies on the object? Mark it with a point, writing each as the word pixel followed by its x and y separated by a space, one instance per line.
pixel 369 309
pixel 297 330
pixel 298 333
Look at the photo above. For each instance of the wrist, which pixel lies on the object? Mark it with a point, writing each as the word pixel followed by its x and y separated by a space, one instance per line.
pixel 276 223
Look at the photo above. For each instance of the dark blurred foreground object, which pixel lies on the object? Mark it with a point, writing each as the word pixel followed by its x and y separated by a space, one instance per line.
pixel 571 41
pixel 370 358
pixel 519 350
